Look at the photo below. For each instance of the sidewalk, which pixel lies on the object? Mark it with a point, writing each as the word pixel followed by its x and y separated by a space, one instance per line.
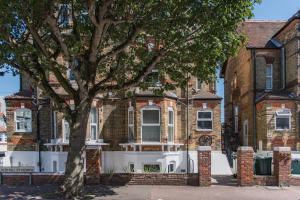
pixel 160 193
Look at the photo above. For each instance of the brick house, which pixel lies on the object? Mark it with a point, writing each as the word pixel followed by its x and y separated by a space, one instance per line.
pixel 261 86
pixel 135 131
pixel 139 125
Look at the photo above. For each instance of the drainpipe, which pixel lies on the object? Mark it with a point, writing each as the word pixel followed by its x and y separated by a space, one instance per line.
pixel 283 68
pixel 187 128
pixel 38 132
pixel 254 98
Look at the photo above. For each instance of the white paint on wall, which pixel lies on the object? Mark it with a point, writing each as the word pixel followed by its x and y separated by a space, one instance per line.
pixel 118 161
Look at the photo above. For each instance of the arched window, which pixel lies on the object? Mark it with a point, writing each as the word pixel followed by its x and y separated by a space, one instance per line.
pixel 151 124
pixel 170 124
pixel 130 124
pixel 23 120
pixel 94 123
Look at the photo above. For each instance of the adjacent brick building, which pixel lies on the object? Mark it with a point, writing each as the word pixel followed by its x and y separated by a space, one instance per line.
pixel 262 86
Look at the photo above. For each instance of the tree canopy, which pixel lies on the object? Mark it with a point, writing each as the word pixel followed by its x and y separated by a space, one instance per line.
pixel 113 45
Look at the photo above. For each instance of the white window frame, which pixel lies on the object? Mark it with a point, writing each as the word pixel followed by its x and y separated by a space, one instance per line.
pixel 205 119
pixel 64 130
pixel 170 109
pixel 288 115
pixel 158 124
pixel 29 120
pixel 94 124
pixel 269 77
pixel 197 84
pixel 130 125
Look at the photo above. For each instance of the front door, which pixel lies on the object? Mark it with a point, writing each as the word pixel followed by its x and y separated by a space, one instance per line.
pixel 245 133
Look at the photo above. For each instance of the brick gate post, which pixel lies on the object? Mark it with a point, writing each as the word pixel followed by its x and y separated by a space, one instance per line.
pixel 204 165
pixel 93 166
pixel 282 165
pixel 245 166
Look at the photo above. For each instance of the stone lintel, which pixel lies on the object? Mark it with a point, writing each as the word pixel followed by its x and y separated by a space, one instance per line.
pixel 245 148
pixel 204 148
pixel 282 149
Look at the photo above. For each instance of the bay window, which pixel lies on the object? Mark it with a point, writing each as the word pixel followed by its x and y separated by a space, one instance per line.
pixel 283 120
pixel 170 125
pixel 151 124
pixel 204 120
pixel 93 123
pixel 23 120
pixel 130 124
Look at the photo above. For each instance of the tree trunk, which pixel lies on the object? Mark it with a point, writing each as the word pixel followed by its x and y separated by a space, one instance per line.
pixel 74 174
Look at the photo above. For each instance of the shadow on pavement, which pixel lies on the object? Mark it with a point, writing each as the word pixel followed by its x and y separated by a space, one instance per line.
pixel 224 180
pixel 51 192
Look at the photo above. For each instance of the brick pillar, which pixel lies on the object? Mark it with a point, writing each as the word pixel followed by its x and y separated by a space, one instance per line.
pixel 93 166
pixel 282 165
pixel 245 166
pixel 204 165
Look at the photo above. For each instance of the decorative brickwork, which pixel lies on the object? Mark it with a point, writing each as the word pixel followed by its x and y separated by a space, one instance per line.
pixel 93 166
pixel 245 166
pixel 204 165
pixel 282 165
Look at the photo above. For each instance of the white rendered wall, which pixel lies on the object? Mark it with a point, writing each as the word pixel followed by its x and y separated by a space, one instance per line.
pixel 118 161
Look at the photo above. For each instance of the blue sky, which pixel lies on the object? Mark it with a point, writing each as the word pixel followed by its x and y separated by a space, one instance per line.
pixel 267 10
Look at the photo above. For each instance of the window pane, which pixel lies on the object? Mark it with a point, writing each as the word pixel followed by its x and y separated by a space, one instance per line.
pixel 268 83
pixel 93 132
pixel 205 125
pixel 204 115
pixel 282 123
pixel 130 117
pixel 151 168
pixel 151 116
pixel 151 133
pixel 93 115
pixel 269 70
pixel 130 133
pixel 199 84
pixel 67 130
pixel 171 116
pixel 170 134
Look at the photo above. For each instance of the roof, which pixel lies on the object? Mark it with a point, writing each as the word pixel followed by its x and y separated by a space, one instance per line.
pixel 295 16
pixel 260 33
pixel 205 95
pixel 24 94
pixel 278 95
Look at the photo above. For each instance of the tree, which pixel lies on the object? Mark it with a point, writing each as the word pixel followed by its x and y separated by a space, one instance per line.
pixel 106 45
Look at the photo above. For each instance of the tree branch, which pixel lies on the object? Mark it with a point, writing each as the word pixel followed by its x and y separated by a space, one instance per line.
pixel 51 21
pixel 130 83
pixel 136 30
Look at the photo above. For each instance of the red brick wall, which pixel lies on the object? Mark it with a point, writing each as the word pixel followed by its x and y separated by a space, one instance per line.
pixel 204 165
pixel 264 180
pixel 245 166
pixel 93 166
pixel 282 165
pixel 15 179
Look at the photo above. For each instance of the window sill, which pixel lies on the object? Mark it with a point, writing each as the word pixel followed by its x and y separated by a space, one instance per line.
pixel 203 130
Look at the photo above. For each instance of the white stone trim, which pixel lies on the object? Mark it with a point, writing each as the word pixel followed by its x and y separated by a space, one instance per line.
pixel 245 148
pixel 282 149
pixel 204 148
